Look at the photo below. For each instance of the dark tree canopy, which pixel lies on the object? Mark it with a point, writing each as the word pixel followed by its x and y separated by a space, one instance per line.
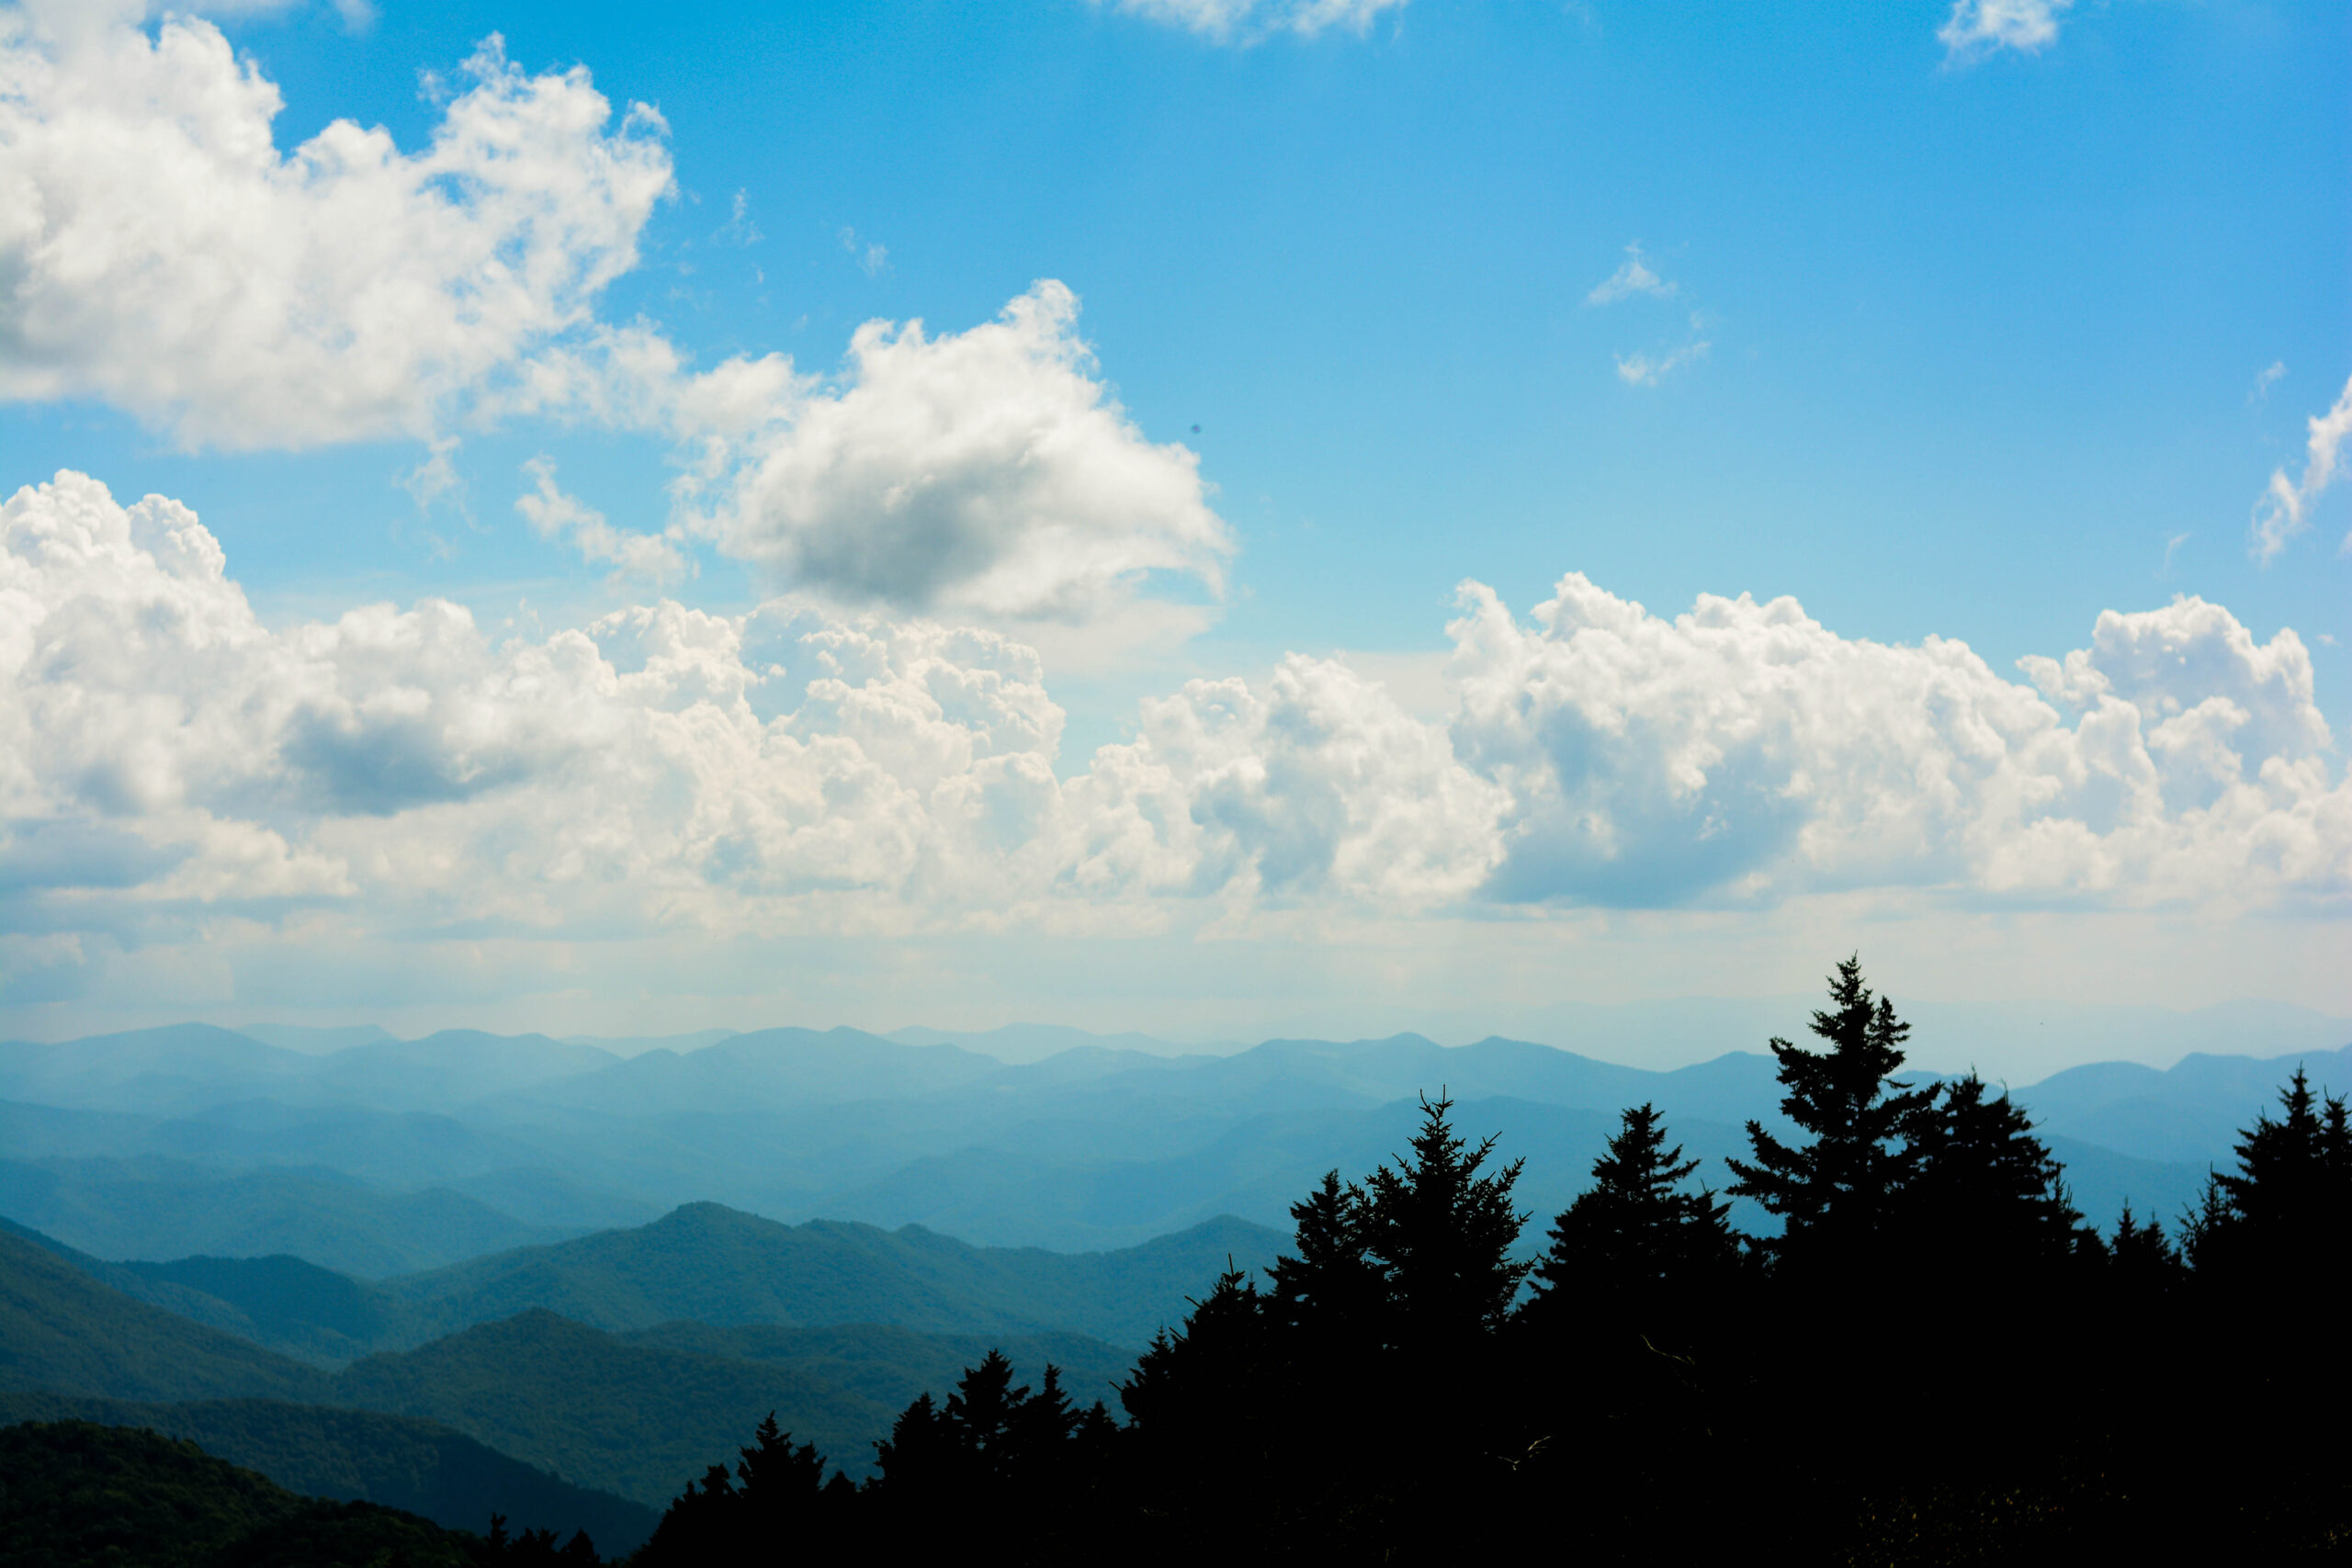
pixel 1837 1196
pixel 1983 1193
pixel 1639 1242
pixel 1442 1234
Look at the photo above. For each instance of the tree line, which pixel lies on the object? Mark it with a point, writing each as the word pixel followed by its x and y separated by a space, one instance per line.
pixel 1934 1357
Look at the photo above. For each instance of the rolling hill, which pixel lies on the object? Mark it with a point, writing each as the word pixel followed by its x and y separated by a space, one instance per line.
pixel 711 1264
pixel 419 1467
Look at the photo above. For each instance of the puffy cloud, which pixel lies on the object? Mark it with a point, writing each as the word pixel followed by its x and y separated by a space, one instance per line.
pixel 1318 785
pixel 1632 277
pixel 1745 751
pixel 1225 21
pixel 166 759
pixel 163 254
pixel 2285 508
pixel 1979 28
pixel 984 473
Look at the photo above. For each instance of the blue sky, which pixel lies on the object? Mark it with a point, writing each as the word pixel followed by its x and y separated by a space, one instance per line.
pixel 1946 334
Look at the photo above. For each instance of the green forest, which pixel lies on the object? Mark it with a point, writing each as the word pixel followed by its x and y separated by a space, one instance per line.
pixel 1933 1355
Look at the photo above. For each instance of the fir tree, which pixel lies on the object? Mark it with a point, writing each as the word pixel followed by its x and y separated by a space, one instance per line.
pixel 2143 1262
pixel 919 1455
pixel 1984 1197
pixel 1443 1234
pixel 1330 1290
pixel 982 1413
pixel 1836 1195
pixel 1638 1244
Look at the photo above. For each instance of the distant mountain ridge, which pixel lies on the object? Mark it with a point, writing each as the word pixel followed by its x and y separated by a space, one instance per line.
pixel 635 1415
pixel 521 1139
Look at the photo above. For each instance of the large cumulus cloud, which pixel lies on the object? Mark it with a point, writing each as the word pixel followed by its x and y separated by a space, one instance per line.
pixel 1745 751
pixel 161 254
pixel 985 472
pixel 162 753
pixel 158 252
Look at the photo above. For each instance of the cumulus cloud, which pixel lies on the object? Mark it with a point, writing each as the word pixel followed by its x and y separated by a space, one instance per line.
pixel 1744 751
pixel 984 473
pixel 2284 512
pixel 1979 28
pixel 163 755
pixel 1227 21
pixel 1632 277
pixel 163 255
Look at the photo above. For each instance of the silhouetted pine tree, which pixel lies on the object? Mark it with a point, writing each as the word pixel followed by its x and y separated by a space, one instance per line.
pixel 1985 1203
pixel 776 1494
pixel 1442 1234
pixel 1637 1248
pixel 920 1456
pixel 1326 1287
pixel 1836 1195
pixel 2282 1222
pixel 2144 1264
pixel 980 1415
pixel 1205 1403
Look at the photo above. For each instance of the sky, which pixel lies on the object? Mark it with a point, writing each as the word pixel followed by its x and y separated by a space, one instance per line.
pixel 1212 517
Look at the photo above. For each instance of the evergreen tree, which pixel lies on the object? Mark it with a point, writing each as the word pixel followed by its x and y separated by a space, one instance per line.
pixel 1836 1195
pixel 2283 1220
pixel 1985 1199
pixel 1330 1290
pixel 983 1411
pixel 919 1455
pixel 1039 1431
pixel 1443 1234
pixel 2143 1262
pixel 1637 1245
pixel 2282 1188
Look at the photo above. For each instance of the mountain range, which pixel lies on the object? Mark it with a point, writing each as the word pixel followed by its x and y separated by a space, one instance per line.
pixel 385 1157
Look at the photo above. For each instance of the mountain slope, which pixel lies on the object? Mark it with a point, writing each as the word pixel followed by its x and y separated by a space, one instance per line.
pixel 633 1419
pixel 156 1209
pixel 62 1330
pixel 398 1462
pixel 716 1265
pixel 78 1492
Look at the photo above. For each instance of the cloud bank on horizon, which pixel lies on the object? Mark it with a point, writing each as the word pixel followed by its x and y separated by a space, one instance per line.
pixel 875 747
pixel 169 753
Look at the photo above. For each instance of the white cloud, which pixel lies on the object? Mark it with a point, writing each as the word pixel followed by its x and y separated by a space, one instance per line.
pixel 1226 21
pixel 1639 369
pixel 1632 277
pixel 1979 28
pixel 553 514
pixel 1744 751
pixel 985 472
pixel 2271 376
pixel 163 255
pixel 166 759
pixel 2285 508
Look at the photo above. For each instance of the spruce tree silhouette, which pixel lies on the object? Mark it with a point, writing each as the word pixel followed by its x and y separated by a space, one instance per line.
pixel 918 1460
pixel 1327 1288
pixel 1442 1234
pixel 980 1416
pixel 2282 1222
pixel 777 1493
pixel 1836 1195
pixel 2144 1264
pixel 1985 1200
pixel 1637 1250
